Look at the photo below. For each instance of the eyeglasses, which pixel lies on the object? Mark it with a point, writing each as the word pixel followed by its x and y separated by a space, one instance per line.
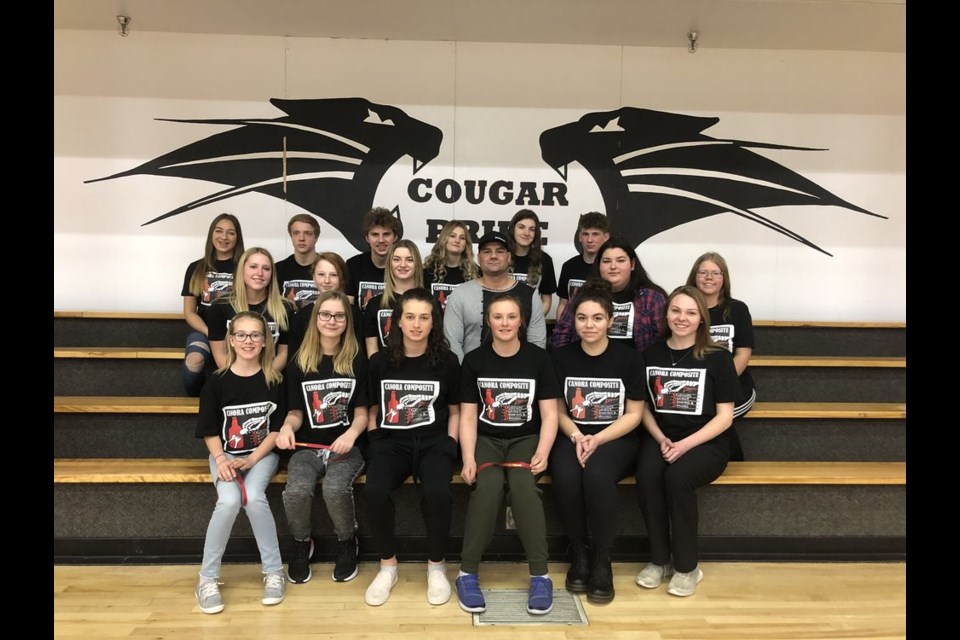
pixel 326 316
pixel 703 273
pixel 243 336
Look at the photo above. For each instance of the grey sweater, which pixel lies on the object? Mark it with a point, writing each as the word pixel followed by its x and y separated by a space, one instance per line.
pixel 463 319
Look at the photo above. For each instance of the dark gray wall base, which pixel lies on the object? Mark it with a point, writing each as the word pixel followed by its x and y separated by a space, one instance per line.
pixel 504 548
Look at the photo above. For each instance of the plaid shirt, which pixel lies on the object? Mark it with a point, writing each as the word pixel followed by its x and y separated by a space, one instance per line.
pixel 648 310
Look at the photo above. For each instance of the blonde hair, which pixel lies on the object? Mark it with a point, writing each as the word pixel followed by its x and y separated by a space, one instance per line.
pixel 723 299
pixel 267 354
pixel 703 342
pixel 438 255
pixel 238 297
pixel 311 355
pixel 389 285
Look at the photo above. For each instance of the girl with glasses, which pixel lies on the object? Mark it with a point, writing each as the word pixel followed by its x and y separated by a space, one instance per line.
pixel 730 326
pixel 329 273
pixel 327 396
pixel 241 407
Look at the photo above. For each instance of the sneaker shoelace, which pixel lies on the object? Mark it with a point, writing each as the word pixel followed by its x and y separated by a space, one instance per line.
pixel 274 580
pixel 209 589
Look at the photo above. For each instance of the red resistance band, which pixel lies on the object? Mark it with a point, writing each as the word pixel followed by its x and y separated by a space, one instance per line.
pixel 503 465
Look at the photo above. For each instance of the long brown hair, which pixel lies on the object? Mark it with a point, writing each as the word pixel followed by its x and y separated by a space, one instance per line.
pixel 535 269
pixel 207 263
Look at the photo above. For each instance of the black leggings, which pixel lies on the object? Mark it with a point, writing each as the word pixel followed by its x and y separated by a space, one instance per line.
pixel 589 494
pixel 668 497
pixel 390 460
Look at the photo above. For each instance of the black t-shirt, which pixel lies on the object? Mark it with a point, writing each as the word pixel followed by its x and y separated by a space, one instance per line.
pixel 684 396
pixel 296 282
pixel 217 283
pixel 548 278
pixel 366 279
pixel 508 389
pixel 734 332
pixel 623 318
pixel 326 398
pixel 413 398
pixel 241 410
pixel 378 320
pixel 596 388
pixel 441 289
pixel 298 329
pixel 573 274
pixel 221 314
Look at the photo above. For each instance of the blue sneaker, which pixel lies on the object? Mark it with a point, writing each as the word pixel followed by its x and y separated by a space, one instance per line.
pixel 540 601
pixel 469 594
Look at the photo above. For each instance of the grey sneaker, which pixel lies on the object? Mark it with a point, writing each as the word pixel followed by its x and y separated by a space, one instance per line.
pixel 274 588
pixel 208 595
pixel 685 584
pixel 652 575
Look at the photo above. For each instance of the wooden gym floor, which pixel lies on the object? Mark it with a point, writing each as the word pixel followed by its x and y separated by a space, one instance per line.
pixel 736 601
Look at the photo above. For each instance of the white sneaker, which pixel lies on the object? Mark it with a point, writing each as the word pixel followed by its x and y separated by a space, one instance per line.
pixel 685 584
pixel 379 590
pixel 438 587
pixel 652 575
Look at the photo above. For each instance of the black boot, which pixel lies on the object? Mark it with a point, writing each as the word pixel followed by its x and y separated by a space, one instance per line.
pixel 579 572
pixel 600 585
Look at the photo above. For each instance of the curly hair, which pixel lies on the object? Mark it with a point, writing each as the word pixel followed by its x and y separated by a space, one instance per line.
pixel 437 345
pixel 437 260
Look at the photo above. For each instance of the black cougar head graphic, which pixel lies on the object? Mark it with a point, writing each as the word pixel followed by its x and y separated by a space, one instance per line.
pixel 336 152
pixel 657 170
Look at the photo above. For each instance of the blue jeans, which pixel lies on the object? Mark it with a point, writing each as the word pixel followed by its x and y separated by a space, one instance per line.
pixel 193 380
pixel 338 473
pixel 258 512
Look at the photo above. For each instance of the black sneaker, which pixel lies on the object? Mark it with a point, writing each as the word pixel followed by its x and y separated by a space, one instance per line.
pixel 345 568
pixel 579 572
pixel 600 586
pixel 298 571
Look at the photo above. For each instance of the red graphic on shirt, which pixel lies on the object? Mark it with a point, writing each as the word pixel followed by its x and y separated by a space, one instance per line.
pixel 316 405
pixel 393 414
pixel 658 391
pixel 235 439
pixel 292 296
pixel 367 298
pixel 385 319
pixel 488 403
pixel 442 299
pixel 577 410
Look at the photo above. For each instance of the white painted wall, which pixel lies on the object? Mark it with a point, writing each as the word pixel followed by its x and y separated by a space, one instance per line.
pixel 491 101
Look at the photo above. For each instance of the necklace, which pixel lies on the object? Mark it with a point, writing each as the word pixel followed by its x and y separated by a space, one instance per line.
pixel 674 359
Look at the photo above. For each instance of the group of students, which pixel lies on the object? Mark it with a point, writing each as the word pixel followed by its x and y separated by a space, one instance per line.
pixel 408 368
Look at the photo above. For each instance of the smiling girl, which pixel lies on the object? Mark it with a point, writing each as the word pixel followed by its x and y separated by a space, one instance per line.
pixel 508 414
pixel 404 272
pixel 637 300
pixel 255 289
pixel 241 407
pixel 692 386
pixel 450 261
pixel 531 264
pixel 207 279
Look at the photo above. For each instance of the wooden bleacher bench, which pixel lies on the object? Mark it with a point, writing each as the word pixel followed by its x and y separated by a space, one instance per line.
pixel 796 410
pixel 161 315
pixel 168 353
pixel 161 471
